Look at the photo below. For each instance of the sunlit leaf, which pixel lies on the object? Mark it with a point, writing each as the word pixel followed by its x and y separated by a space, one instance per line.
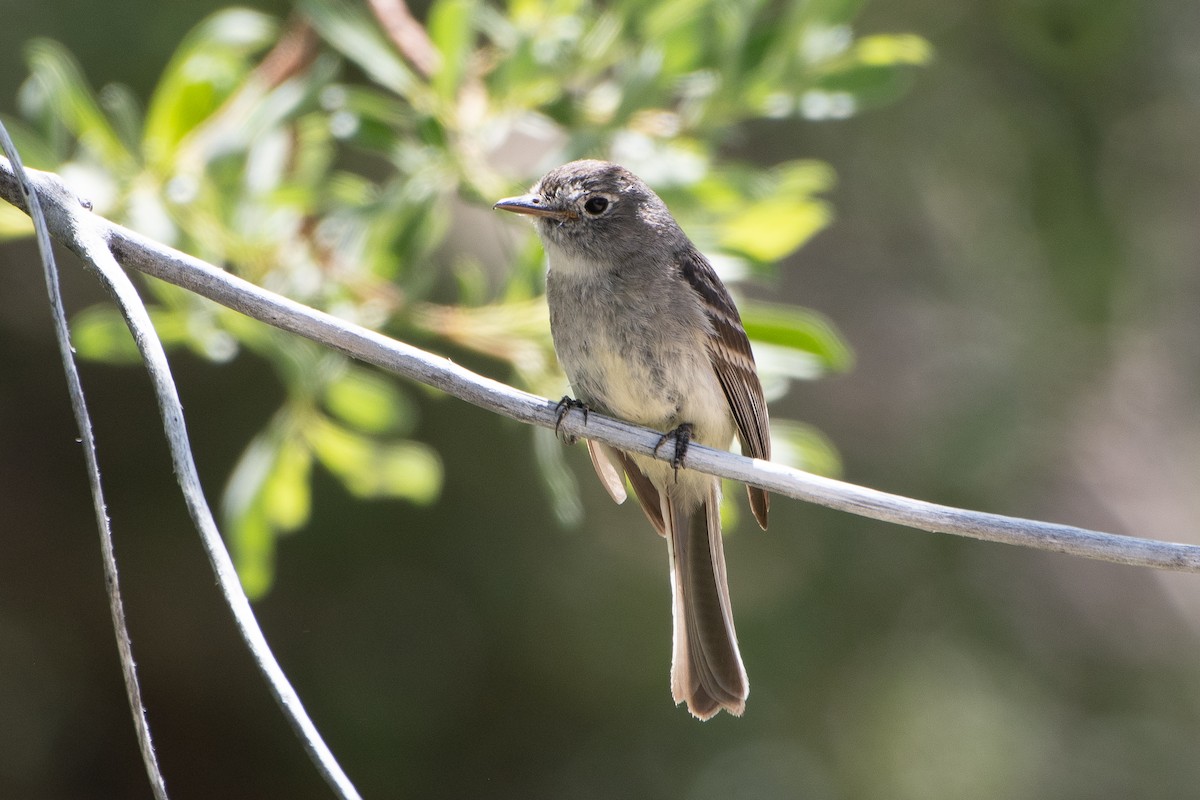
pixel 356 36
pixel 798 329
pixel 244 488
pixel 252 542
pixel 804 447
pixel 452 29
pixel 891 49
pixel 124 111
pixel 408 470
pixel 251 521
pixel 779 215
pixel 845 92
pixel 517 332
pixel 664 160
pixel 74 102
pixel 146 212
pixel 286 496
pixel 100 334
pixel 14 223
pixel 35 151
pixel 676 26
pixel 768 230
pixel 874 71
pixel 368 402
pixel 805 176
pixel 209 64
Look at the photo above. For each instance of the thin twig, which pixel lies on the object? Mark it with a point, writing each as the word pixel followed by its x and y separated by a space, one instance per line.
pixel 134 250
pixel 407 34
pixel 294 53
pixel 85 235
pixel 83 421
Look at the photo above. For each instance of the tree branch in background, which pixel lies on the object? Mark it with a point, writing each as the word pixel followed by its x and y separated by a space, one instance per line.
pixel 407 34
pixel 134 250
pixel 292 54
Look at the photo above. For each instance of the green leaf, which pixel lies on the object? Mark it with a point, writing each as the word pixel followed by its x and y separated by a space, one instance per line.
pixel 368 402
pixel 677 28
pixel 804 176
pixel 842 94
pixel 798 329
pixel 367 117
pixel 210 63
pixel 357 37
pixel 14 223
pixel 253 546
pixel 244 488
pixel 893 49
pixel 35 151
pixel 780 214
pixel 873 72
pixel 74 102
pixel 99 333
pixel 286 497
pixel 452 29
pixel 768 230
pixel 405 469
pixel 804 447
pixel 121 106
pixel 267 492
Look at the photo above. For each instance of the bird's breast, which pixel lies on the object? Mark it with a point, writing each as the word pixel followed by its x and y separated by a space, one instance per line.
pixel 636 348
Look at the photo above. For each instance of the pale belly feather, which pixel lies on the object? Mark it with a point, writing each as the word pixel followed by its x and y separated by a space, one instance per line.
pixel 651 369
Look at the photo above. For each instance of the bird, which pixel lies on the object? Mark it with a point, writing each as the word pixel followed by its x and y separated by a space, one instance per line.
pixel 646 331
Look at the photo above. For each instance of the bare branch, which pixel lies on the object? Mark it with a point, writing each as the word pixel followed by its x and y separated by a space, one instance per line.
pixel 85 234
pixel 160 261
pixel 83 421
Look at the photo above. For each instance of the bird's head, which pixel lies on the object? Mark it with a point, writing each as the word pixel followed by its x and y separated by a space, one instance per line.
pixel 595 209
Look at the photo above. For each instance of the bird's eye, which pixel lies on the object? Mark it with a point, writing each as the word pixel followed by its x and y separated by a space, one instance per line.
pixel 596 205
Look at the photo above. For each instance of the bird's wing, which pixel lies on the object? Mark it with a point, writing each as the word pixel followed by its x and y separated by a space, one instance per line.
pixel 611 464
pixel 733 362
pixel 604 460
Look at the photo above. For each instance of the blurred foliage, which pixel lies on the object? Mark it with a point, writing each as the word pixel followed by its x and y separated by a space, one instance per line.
pixel 338 165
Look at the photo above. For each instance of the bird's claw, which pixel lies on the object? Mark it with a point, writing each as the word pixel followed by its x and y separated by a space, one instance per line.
pixel 682 436
pixel 564 407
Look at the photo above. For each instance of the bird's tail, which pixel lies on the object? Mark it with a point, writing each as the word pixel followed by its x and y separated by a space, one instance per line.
pixel 706 667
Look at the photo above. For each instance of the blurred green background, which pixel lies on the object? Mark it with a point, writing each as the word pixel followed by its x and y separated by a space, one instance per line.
pixel 1013 259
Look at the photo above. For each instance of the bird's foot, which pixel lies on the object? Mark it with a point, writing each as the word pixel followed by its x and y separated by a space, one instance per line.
pixel 564 407
pixel 682 436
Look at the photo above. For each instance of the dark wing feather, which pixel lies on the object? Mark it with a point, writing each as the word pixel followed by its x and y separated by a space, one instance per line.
pixel 647 495
pixel 732 360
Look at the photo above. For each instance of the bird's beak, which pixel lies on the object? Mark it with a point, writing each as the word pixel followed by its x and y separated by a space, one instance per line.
pixel 534 205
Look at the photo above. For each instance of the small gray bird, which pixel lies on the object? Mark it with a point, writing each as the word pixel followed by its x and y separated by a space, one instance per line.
pixel 646 332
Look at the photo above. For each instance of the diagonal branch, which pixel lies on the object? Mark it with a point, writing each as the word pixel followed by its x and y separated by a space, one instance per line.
pixel 134 250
